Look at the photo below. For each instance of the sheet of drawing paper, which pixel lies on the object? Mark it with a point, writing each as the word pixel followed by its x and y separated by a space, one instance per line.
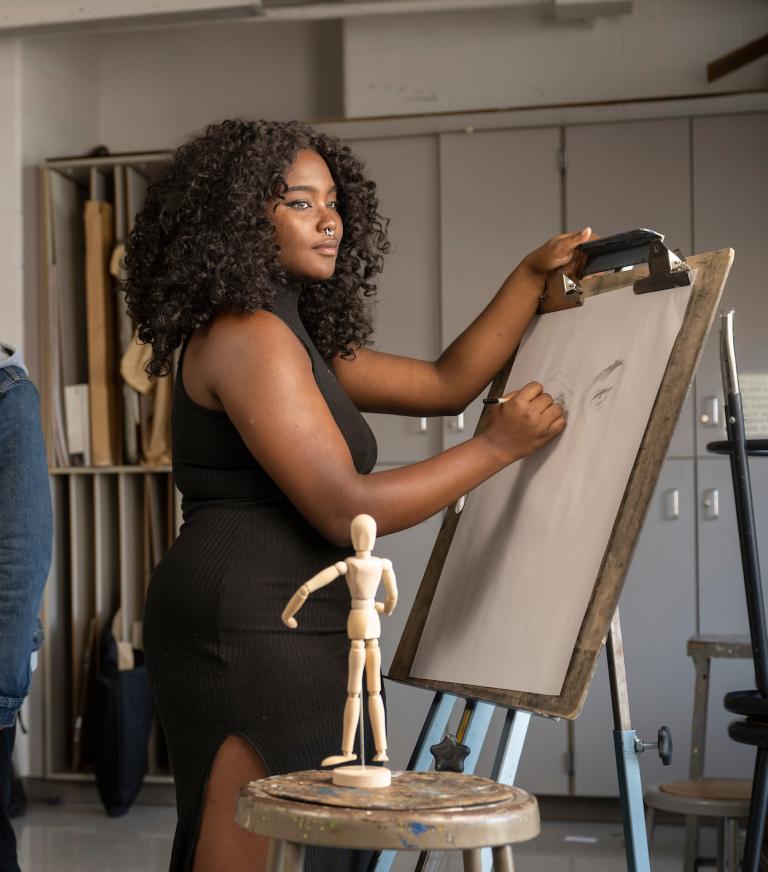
pixel 527 550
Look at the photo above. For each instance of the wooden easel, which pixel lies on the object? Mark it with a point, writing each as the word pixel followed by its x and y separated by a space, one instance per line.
pixel 601 621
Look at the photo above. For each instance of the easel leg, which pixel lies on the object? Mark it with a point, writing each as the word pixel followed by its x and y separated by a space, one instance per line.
pixel 435 727
pixel 624 738
pixel 510 746
pixel 474 725
pixel 472 730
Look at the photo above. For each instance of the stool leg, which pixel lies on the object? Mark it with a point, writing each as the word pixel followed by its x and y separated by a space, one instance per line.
pixel 650 823
pixel 293 857
pixel 732 844
pixel 502 859
pixel 473 860
pixel 691 843
pixel 720 859
pixel 275 854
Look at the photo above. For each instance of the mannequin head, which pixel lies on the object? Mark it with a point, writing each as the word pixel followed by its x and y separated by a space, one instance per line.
pixel 363 532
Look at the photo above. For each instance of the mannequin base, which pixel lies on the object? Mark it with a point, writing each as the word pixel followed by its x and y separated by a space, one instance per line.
pixel 362 776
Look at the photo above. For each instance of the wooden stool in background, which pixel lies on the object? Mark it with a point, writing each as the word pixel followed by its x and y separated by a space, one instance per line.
pixel 725 799
pixel 420 811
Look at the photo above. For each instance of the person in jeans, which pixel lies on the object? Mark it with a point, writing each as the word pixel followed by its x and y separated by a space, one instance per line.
pixel 26 533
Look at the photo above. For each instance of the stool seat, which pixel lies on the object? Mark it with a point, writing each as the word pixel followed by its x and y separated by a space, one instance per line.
pixel 703 797
pixel 720 645
pixel 470 813
pixel 748 703
pixel 710 788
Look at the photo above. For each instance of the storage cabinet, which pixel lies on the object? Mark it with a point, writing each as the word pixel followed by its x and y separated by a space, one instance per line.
pixel 406 172
pixel 616 179
pixel 499 199
pixel 108 526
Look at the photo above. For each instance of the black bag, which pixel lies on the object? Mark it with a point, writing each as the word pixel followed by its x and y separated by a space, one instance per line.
pixel 124 711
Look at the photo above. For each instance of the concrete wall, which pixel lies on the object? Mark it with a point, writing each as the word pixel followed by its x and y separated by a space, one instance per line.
pixel 62 94
pixel 11 259
pixel 59 116
pixel 158 85
pixel 522 57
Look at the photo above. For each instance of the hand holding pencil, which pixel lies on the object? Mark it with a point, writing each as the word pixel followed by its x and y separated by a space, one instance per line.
pixel 522 421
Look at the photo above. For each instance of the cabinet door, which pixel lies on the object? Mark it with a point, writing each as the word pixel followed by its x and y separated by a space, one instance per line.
pixel 499 199
pixel 658 609
pixel 617 180
pixel 722 601
pixel 407 307
pixel 730 199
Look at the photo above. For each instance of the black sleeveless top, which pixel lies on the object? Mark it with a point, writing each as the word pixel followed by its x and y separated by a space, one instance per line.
pixel 210 459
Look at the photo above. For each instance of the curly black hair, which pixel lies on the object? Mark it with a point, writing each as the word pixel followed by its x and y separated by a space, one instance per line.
pixel 203 242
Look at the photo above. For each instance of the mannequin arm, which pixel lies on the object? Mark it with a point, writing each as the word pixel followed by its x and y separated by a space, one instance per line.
pixel 390 586
pixel 324 577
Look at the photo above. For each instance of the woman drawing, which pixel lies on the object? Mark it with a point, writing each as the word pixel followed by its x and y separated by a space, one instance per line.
pixel 255 252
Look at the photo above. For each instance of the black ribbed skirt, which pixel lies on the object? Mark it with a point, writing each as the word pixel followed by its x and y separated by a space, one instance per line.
pixel 221 662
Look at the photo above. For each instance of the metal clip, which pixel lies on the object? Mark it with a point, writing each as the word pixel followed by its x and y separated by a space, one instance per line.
pixel 666 269
pixel 560 292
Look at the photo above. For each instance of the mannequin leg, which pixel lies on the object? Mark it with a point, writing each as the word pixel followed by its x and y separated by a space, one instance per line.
pixel 375 704
pixel 352 707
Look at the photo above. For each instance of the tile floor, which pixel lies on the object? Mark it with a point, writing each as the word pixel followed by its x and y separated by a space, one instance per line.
pixel 80 838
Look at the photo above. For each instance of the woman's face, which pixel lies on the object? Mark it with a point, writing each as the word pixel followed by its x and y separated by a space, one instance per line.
pixel 307 224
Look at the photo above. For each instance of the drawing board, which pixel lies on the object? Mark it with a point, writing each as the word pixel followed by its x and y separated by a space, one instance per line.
pixel 519 592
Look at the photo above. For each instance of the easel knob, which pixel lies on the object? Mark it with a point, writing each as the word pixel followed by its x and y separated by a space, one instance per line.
pixel 449 754
pixel 663 745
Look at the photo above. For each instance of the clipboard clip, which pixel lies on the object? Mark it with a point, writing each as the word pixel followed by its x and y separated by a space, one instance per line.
pixel 560 292
pixel 666 269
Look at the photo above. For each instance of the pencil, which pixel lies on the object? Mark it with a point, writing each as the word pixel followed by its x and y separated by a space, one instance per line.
pixel 493 401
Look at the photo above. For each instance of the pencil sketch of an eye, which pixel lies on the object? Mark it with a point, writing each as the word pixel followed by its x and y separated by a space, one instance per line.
pixel 602 386
pixel 560 386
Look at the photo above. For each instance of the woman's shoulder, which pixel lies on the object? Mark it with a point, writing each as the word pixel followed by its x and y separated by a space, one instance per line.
pixel 245 336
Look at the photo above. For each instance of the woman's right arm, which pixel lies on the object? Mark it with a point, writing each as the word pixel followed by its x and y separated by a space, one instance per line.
pixel 263 379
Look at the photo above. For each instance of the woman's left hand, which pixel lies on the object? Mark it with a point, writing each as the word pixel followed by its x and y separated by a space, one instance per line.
pixel 560 252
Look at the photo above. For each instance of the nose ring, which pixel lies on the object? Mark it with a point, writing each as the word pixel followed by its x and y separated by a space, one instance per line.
pixel 329 231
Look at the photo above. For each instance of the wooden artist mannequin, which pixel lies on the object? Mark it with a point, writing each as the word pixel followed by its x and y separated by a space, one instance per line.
pixel 364 573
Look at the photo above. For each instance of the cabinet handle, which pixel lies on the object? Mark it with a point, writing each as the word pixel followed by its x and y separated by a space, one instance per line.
pixel 672 501
pixel 458 423
pixel 711 503
pixel 422 425
pixel 710 412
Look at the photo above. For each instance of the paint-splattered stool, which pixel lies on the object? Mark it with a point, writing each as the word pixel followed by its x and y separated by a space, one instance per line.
pixel 420 811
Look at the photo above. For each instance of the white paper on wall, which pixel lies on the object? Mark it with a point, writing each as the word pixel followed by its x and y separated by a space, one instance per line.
pixel 754 398
pixel 527 550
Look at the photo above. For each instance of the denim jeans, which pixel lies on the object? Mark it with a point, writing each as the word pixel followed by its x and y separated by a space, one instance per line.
pixel 26 533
